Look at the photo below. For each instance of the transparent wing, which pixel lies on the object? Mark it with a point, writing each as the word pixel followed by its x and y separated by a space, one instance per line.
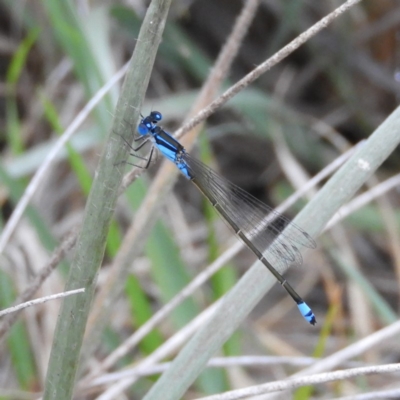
pixel 272 233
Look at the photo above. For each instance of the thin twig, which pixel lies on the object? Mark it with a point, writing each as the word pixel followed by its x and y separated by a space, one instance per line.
pixel 216 362
pixel 294 383
pixel 379 394
pixel 41 300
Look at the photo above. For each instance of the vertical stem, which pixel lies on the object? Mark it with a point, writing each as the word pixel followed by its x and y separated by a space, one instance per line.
pixel 74 312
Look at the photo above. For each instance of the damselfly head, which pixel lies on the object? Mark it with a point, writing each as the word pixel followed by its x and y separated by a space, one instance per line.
pixel 148 124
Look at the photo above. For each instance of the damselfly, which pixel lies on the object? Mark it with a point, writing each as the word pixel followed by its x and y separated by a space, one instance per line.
pixel 272 237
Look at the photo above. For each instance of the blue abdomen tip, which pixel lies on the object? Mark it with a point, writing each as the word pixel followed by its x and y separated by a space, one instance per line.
pixel 307 313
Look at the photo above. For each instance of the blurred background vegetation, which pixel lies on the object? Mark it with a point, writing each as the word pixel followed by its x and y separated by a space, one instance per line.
pixel 325 97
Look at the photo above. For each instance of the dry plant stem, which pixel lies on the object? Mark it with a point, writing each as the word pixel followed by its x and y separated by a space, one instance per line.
pixel 220 362
pixel 162 184
pixel 380 394
pixel 264 67
pixel 28 293
pixel 41 300
pixel 91 243
pixel 255 283
pixel 294 383
pixel 50 158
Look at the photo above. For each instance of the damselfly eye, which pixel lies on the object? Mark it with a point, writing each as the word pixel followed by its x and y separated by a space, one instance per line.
pixel 142 129
pixel 156 116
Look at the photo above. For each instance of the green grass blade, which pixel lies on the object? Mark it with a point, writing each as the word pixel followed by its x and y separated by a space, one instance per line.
pixel 17 339
pixel 14 71
pixel 142 312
